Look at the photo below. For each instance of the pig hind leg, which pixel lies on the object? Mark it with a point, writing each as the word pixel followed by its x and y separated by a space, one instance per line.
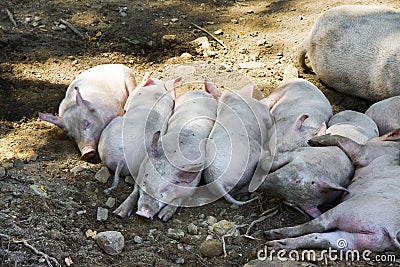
pixel 115 182
pixel 126 207
pixel 166 213
pixel 338 240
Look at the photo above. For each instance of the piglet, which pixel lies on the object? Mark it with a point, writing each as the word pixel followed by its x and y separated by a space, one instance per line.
pixel 368 217
pixel 92 100
pixel 171 171
pixel 236 142
pixel 122 144
pixel 300 111
pixel 386 114
pixel 355 50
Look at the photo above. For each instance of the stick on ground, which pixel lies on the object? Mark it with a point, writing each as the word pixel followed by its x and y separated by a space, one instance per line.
pixel 36 251
pixel 11 17
pixel 209 33
pixel 72 27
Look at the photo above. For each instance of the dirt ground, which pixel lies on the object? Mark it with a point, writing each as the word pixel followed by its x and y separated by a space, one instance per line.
pixel 39 57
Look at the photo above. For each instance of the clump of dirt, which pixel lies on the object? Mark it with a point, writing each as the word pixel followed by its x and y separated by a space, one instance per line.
pixel 50 198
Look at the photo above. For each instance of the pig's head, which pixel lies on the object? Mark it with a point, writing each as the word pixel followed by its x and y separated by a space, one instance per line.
pixel 82 123
pixel 296 137
pixel 295 186
pixel 162 182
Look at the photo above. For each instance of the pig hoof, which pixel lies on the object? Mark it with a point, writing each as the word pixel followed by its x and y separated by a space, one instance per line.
pixel 145 213
pixel 272 235
pixel 122 212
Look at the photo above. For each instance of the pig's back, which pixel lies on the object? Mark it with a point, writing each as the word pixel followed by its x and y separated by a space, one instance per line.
pixel 386 114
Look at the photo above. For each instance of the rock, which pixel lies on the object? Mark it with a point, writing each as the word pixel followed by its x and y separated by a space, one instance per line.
pixel 112 242
pixel 38 190
pixel 33 157
pixel 137 239
pixel 234 21
pixel 110 202
pixel 179 246
pixel 129 180
pixel 192 229
pixel 180 261
pixel 175 233
pixel 186 56
pixel 202 42
pixel 202 216
pixel 211 248
pixel 224 227
pixel 251 65
pixel 218 32
pixel 2 172
pixel 211 220
pixel 102 214
pixel 168 40
pixel 235 207
pixel 102 175
pixel 174 20
pixel 77 169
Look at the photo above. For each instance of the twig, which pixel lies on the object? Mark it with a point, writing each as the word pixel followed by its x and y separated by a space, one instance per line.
pixel 75 30
pixel 263 217
pixel 36 251
pixel 209 33
pixel 11 17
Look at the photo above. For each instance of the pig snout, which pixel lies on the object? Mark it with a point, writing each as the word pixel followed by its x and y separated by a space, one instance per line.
pixel 88 153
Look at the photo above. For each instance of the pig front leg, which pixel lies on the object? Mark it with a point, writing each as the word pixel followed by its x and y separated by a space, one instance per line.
pixel 321 224
pixel 126 208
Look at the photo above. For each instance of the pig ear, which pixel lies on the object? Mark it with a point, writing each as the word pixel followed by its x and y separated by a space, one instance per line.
pixel 170 86
pixel 57 120
pixel 246 90
pixel 296 127
pixel 326 187
pixel 79 100
pixel 322 130
pixel 146 81
pixel 212 89
pixel 155 150
pixel 392 136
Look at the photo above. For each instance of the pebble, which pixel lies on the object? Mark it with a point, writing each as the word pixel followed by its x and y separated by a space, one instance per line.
pixel 186 56
pixel 180 247
pixel 238 218
pixel 33 157
pixel 234 21
pixel 102 175
pixel 180 261
pixel 202 216
pixel 110 202
pixel 81 212
pixel 168 40
pixel 211 248
pixel 218 32
pixel 77 169
pixel 173 20
pixel 175 233
pixel 137 239
pixel 38 191
pixel 112 242
pixel 188 247
pixel 2 172
pixel 129 180
pixel 211 220
pixel 102 214
pixel 192 229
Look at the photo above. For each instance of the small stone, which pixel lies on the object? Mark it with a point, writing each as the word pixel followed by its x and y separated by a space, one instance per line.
pixel 2 172
pixel 211 220
pixel 238 218
pixel 38 190
pixel 218 32
pixel 209 237
pixel 35 24
pixel 81 212
pixel 180 261
pixel 62 26
pixel 186 56
pixel 168 40
pixel 250 11
pixel 234 21
pixel 211 248
pixel 235 207
pixel 202 42
pixel 175 233
pixel 188 247
pixel 77 169
pixel 112 242
pixel 174 20
pixel 202 216
pixel 137 239
pixel 102 175
pixel 110 202
pixel 129 180
pixel 192 229
pixel 33 157
pixel 102 214
pixel 180 247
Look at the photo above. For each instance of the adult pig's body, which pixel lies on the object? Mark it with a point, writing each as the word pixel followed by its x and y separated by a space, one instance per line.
pixel 355 49
pixel 386 114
